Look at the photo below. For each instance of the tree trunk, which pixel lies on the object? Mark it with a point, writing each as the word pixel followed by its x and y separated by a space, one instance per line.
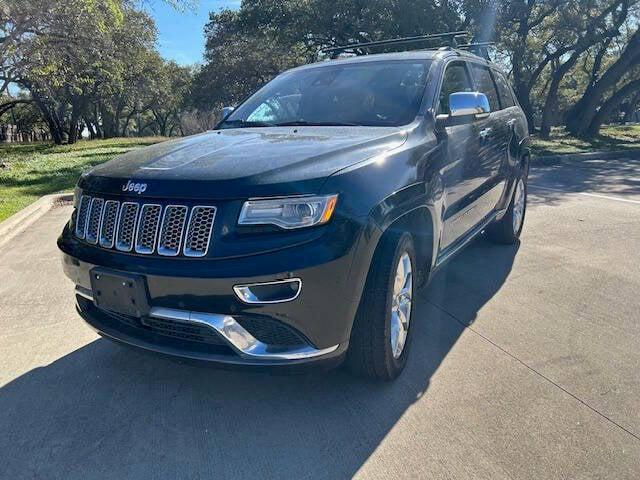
pixel 633 105
pixel 611 104
pixel 580 117
pixel 551 102
pixel 55 128
pixel 75 121
pixel 90 129
pixel 127 121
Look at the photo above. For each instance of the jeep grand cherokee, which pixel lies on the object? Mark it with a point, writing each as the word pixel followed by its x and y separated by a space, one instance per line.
pixel 298 231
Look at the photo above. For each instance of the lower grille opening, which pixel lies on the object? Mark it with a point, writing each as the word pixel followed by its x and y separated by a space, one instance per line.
pixel 184 331
pixel 200 337
pixel 270 331
pixel 193 338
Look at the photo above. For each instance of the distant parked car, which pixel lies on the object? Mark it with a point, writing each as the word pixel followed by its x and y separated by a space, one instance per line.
pixel 297 232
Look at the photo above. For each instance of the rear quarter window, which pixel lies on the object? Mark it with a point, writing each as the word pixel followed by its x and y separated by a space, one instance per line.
pixel 506 96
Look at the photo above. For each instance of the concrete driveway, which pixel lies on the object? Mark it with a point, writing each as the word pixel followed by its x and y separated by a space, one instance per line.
pixel 525 364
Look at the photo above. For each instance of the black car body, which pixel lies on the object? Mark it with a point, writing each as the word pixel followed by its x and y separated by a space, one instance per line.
pixel 160 260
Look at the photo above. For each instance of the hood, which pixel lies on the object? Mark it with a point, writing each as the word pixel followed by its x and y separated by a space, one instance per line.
pixel 242 163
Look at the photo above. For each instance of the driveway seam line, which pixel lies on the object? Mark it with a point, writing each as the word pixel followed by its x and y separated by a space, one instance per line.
pixel 586 194
pixel 541 375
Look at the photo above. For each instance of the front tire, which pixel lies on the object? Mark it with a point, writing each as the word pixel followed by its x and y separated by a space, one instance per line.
pixel 507 230
pixel 381 334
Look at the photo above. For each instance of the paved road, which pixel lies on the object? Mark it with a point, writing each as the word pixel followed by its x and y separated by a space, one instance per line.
pixel 526 364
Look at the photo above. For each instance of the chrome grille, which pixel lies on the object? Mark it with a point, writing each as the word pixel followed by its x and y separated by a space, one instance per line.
pixel 173 221
pixel 126 226
pixel 199 231
pixel 146 228
pixel 93 222
pixel 108 225
pixel 81 220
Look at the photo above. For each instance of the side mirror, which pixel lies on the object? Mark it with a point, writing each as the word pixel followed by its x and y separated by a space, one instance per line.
pixel 226 111
pixel 466 107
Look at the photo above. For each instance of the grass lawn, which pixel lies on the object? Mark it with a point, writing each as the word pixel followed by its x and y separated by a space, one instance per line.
pixel 611 138
pixel 28 171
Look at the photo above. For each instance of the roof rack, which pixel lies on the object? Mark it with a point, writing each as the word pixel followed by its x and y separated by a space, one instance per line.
pixel 448 37
pixel 478 48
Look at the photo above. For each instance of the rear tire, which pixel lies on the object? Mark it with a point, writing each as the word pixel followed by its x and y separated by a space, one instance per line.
pixel 507 230
pixel 381 334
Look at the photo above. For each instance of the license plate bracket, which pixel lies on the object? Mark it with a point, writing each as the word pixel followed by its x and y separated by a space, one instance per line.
pixel 120 293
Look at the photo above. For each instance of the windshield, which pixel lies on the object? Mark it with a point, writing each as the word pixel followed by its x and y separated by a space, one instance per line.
pixel 368 94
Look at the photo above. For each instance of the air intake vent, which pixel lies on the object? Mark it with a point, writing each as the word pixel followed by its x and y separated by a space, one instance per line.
pixel 93 223
pixel 175 216
pixel 81 220
pixel 127 226
pixel 145 228
pixel 108 226
pixel 199 231
pixel 148 228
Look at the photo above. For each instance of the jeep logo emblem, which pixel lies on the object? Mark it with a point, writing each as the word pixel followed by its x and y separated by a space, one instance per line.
pixel 134 187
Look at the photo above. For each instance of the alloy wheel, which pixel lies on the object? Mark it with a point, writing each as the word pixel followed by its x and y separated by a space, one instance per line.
pixel 401 305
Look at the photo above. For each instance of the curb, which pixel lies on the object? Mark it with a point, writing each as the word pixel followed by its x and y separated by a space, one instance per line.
pixel 20 221
pixel 554 159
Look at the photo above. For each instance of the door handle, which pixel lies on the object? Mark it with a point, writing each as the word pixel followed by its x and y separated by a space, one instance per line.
pixel 485 133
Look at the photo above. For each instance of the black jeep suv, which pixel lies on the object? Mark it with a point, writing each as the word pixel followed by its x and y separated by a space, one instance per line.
pixel 298 231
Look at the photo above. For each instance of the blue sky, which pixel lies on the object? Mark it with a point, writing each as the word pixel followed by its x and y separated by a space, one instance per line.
pixel 180 36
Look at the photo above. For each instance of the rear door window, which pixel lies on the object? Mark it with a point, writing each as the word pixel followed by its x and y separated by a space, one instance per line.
pixel 506 97
pixel 456 79
pixel 484 84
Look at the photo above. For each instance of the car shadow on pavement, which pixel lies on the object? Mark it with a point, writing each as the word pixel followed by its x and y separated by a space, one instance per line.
pixel 104 411
pixel 618 177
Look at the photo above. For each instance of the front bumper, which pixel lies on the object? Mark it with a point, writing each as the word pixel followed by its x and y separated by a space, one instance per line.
pixel 261 356
pixel 203 294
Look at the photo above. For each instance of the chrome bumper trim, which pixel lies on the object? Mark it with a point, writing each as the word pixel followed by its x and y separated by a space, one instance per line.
pixel 238 338
pixel 84 292
pixel 245 344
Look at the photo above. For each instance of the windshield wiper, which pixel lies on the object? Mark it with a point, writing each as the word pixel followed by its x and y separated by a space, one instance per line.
pixel 246 124
pixel 304 123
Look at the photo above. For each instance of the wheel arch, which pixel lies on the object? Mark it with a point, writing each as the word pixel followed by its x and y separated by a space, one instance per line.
pixel 419 223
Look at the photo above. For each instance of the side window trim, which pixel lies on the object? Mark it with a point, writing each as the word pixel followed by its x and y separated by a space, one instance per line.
pixel 447 64
pixel 492 74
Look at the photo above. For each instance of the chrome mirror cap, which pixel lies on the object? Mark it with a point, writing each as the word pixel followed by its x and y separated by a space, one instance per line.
pixel 465 104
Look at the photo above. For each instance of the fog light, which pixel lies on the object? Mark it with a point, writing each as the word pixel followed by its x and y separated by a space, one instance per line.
pixel 279 291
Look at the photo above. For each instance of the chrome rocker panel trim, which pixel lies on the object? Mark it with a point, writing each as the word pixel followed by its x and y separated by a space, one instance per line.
pixel 245 344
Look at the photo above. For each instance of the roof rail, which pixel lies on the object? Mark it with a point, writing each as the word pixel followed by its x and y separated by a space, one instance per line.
pixel 449 39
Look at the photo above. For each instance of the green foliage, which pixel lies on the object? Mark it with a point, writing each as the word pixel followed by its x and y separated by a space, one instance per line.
pixel 237 62
pixel 320 23
pixel 247 48
pixel 89 63
pixel 557 48
pixel 93 64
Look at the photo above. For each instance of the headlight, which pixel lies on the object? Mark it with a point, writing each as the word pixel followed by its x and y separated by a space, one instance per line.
pixel 292 212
